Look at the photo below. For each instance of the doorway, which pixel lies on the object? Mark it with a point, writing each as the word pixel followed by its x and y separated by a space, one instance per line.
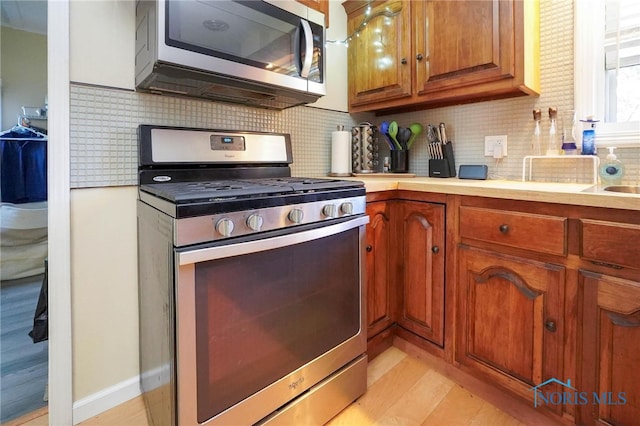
pixel 23 241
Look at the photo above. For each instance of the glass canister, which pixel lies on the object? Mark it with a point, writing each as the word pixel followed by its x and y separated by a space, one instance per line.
pixel 569 133
pixel 536 145
pixel 553 143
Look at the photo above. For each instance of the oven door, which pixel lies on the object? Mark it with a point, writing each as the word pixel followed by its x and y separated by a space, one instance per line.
pixel 260 322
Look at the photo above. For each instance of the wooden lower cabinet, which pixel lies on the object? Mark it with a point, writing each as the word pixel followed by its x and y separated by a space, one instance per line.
pixel 422 253
pixel 610 350
pixel 543 300
pixel 510 327
pixel 405 269
pixel 379 266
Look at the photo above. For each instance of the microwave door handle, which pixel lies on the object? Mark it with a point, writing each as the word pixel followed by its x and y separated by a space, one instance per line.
pixel 308 57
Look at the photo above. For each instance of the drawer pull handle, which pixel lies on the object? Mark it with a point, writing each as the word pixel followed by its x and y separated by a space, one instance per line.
pixel 369 248
pixel 435 249
pixel 504 228
pixel 403 61
pixel 419 56
pixel 550 325
pixel 606 265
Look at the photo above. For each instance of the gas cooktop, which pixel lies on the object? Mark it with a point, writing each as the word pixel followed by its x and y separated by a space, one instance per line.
pixel 226 190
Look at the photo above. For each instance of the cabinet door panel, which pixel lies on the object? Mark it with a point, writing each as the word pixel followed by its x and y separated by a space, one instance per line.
pixel 510 324
pixel 378 267
pixel 423 265
pixel 500 330
pixel 611 348
pixel 379 66
pixel 464 43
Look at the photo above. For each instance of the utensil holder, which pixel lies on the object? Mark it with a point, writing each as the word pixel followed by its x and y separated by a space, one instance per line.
pixel 364 142
pixel 399 161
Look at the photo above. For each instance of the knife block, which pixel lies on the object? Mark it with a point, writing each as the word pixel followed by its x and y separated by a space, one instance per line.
pixel 443 167
pixel 439 168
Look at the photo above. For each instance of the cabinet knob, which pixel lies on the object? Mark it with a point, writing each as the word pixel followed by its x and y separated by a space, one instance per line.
pixel 403 61
pixel 504 228
pixel 435 249
pixel 369 248
pixel 419 56
pixel 550 325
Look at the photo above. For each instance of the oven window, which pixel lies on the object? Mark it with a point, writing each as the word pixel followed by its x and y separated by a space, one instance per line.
pixel 262 315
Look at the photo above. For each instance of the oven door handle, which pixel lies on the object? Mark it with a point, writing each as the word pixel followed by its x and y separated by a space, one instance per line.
pixel 220 252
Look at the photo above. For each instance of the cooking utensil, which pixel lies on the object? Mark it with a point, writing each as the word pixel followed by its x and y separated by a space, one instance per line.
pixel 416 129
pixel 404 134
pixel 384 129
pixel 393 132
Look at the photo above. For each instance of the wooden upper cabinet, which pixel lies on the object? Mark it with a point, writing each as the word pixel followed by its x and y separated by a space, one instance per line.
pixel 379 55
pixel 461 51
pixel 321 6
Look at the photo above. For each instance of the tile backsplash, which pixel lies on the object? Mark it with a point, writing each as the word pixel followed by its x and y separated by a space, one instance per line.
pixel 104 122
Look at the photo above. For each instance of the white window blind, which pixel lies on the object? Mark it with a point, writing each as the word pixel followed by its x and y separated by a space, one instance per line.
pixel 622 33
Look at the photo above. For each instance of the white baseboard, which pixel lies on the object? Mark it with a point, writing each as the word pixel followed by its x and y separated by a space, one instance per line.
pixel 105 399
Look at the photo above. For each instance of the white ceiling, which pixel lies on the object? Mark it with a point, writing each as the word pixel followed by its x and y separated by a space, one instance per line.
pixel 26 15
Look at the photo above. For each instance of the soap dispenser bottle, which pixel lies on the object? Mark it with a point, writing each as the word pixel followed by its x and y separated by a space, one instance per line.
pixel 611 170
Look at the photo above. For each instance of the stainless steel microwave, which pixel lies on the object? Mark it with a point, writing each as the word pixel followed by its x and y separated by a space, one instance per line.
pixel 267 54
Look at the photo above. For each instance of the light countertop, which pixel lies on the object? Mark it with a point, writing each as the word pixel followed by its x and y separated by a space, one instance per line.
pixel 563 193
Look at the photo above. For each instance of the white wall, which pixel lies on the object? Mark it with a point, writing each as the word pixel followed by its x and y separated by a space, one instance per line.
pixel 24 81
pixel 104 288
pixel 336 64
pixel 102 43
pixel 103 220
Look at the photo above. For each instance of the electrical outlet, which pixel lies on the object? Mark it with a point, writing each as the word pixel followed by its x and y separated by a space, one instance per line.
pixel 492 141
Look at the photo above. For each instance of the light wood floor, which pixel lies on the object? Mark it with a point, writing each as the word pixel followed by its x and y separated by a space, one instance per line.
pixel 24 365
pixel 404 388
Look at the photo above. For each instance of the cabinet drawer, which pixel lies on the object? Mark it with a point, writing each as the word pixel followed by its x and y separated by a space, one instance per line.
pixel 541 233
pixel 610 242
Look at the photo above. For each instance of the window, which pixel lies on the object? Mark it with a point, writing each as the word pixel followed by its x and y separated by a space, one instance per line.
pixel 611 48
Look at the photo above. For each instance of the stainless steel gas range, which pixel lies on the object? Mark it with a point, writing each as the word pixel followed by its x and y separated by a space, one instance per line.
pixel 251 282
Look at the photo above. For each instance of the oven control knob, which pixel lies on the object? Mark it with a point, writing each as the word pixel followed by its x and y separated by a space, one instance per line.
pixel 296 215
pixel 330 210
pixel 347 208
pixel 255 222
pixel 225 227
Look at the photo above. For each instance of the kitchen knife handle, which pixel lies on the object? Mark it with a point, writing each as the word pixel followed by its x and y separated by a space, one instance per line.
pixel 443 133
